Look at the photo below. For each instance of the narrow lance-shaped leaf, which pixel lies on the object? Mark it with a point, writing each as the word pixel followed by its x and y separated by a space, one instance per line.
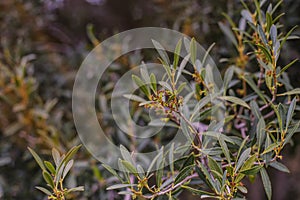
pixel 47 177
pixel 177 53
pixel 286 67
pixel 50 167
pixel 141 85
pixel 261 133
pixel 161 51
pixel 119 186
pixel 171 158
pixel 226 30
pixel 129 167
pixel 225 149
pixel 44 190
pixel 214 166
pixel 273 34
pixel 242 159
pixel 235 100
pixel 291 92
pixel 67 168
pixel 185 172
pixel 227 78
pixel 181 67
pixel 279 166
pixel 266 183
pixel 150 168
pixel 126 155
pixel 290 113
pixel 286 37
pixel 153 82
pixel 134 98
pixel 193 51
pixel 112 171
pixel 37 159
pixel 56 157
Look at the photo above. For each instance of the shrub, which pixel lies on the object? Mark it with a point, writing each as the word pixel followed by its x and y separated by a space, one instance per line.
pixel 259 115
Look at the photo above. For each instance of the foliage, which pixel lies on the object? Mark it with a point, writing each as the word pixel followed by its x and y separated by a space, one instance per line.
pixel 259 120
pixel 41 47
pixel 55 176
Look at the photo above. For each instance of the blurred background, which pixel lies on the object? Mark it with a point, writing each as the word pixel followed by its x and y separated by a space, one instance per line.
pixel 42 44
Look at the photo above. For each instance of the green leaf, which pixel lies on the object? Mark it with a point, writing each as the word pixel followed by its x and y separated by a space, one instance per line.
pixel 218 135
pixel 286 67
pixel 290 113
pixel 246 166
pixel 266 182
pixel 140 171
pixel 129 167
pixel 185 172
pixel 255 109
pixel 76 189
pixel 226 30
pixel 196 191
pixel 242 189
pixel 56 157
pixel 270 148
pixel 242 146
pixel 171 158
pixel 265 52
pixel 44 190
pixel 273 34
pixel 260 131
pixel 177 53
pixel 167 68
pixel 71 153
pixel 67 168
pixel 181 87
pixel 227 78
pixel 141 85
pixel 48 178
pixel 281 115
pixel 279 166
pixel 160 154
pixel 126 155
pixel 291 92
pixel 251 83
pixel 204 175
pixel 213 165
pixel 269 21
pixel 112 171
pixel 160 168
pixel 235 100
pixel 165 85
pixel 207 53
pixel 225 149
pixel 242 159
pixel 162 52
pixel 182 65
pixel 258 11
pixel 50 167
pixel 119 186
pixel 134 97
pixel 286 37
pixel 252 171
pixel 37 159
pixel 190 160
pixel 262 35
pixel 247 15
pixel 291 132
pixel 153 82
pixel 193 51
